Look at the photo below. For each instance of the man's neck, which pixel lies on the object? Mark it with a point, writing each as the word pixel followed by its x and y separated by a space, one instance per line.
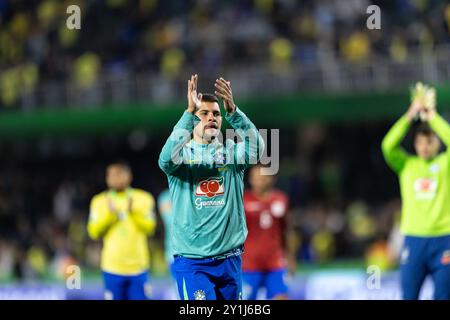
pixel 263 194
pixel 119 190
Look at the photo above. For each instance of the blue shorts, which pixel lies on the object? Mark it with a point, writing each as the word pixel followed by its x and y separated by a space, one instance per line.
pixel 118 287
pixel 273 281
pixel 209 279
pixel 425 256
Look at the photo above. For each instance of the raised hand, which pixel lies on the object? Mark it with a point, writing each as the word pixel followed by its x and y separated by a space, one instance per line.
pixel 414 109
pixel 111 206
pixel 113 209
pixel 130 204
pixel 427 114
pixel 194 98
pixel 223 90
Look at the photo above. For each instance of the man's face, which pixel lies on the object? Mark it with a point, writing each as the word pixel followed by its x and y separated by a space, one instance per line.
pixel 117 177
pixel 260 183
pixel 210 121
pixel 427 146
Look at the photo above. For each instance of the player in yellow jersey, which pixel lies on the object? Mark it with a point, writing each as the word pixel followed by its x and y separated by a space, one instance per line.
pixel 123 217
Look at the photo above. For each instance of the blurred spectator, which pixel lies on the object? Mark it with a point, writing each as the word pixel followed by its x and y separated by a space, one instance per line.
pixel 17 82
pixel 172 62
pixel 37 261
pixel 378 255
pixel 323 244
pixel 7 259
pixel 281 50
pixel 398 49
pixel 63 203
pixel 356 47
pixel 169 37
pixel 86 70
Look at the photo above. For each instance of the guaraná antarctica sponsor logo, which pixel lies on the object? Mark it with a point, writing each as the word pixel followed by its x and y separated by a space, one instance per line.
pixel 209 187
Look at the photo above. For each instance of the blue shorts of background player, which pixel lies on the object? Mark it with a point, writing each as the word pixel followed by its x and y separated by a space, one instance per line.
pixel 425 256
pixel 119 287
pixel 217 278
pixel 273 281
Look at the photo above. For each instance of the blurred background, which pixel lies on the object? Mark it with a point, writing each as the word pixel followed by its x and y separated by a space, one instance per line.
pixel 73 100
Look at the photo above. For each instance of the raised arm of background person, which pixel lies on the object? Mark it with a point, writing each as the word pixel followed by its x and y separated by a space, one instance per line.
pixel 441 127
pixel 142 211
pixel 100 217
pixel 171 156
pixel 394 154
pixel 249 151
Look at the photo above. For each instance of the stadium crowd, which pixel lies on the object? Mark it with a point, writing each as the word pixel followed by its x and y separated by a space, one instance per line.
pixel 168 37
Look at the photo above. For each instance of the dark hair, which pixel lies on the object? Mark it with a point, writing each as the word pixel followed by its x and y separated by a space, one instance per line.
pixel 120 163
pixel 424 129
pixel 209 97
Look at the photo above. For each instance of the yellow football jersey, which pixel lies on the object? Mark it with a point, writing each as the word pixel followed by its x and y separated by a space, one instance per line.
pixel 123 220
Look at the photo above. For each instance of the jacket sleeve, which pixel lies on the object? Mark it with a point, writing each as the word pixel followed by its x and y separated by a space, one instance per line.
pixel 171 156
pixel 393 153
pixel 250 150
